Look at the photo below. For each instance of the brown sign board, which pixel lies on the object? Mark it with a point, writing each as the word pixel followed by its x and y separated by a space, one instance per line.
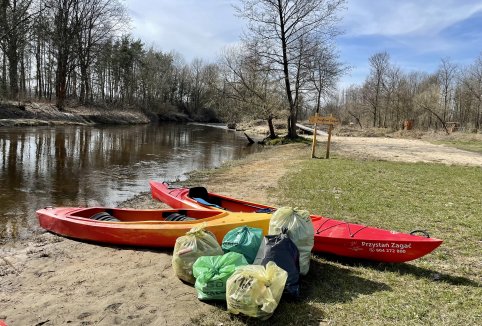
pixel 324 120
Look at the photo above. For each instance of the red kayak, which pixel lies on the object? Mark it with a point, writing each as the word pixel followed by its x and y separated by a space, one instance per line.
pixel 143 227
pixel 331 236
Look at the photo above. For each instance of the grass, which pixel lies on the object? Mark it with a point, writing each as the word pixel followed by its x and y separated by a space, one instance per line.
pixel 473 145
pixel 442 288
pixel 286 140
pixel 461 140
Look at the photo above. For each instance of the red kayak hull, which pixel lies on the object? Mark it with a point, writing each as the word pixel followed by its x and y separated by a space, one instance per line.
pixel 144 228
pixel 331 236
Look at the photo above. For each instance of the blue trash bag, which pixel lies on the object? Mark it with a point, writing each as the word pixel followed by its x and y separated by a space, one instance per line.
pixel 281 250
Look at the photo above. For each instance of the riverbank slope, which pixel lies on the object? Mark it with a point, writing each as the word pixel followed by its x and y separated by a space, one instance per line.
pixel 44 114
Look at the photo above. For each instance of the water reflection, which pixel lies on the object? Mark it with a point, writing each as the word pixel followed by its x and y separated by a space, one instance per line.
pixel 86 166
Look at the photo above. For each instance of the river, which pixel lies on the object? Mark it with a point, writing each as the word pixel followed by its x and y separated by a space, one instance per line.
pixel 99 166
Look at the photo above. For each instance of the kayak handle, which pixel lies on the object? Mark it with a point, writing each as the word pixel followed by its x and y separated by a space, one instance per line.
pixel 423 232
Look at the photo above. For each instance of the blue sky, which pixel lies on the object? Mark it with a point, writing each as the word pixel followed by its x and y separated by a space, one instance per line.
pixel 416 33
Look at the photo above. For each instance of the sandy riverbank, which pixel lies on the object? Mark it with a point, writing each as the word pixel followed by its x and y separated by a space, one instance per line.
pixel 50 280
pixel 23 114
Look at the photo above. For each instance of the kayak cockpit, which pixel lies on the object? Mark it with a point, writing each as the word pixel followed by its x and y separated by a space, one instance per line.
pixel 207 199
pixel 132 215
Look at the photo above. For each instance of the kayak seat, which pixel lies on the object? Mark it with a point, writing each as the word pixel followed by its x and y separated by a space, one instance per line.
pixel 206 203
pixel 202 193
pixel 265 210
pixel 198 192
pixel 104 216
pixel 176 217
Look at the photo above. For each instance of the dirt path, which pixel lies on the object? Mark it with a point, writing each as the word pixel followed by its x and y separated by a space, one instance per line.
pixel 404 150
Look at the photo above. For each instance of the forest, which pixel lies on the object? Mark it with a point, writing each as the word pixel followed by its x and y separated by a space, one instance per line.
pixel 286 66
pixel 448 97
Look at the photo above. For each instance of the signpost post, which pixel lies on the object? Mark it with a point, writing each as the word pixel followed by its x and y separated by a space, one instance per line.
pixel 313 146
pixel 327 120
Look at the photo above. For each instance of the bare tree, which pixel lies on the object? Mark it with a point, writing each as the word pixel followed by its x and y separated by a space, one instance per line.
pixel 447 73
pixel 391 116
pixel 14 21
pixel 375 84
pixel 63 41
pixel 427 99
pixel 472 81
pixel 282 28
pixel 250 85
pixel 325 69
pixel 95 21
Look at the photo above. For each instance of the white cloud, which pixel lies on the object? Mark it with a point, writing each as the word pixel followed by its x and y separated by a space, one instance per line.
pixel 395 17
pixel 196 29
pixel 408 29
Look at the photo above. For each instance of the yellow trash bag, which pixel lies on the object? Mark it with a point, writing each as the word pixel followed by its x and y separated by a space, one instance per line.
pixel 254 290
pixel 300 231
pixel 196 243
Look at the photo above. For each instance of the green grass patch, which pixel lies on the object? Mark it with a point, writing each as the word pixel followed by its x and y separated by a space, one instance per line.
pixel 286 140
pixel 442 288
pixel 474 145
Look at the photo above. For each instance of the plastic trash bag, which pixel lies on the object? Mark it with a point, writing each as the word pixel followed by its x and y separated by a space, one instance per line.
pixel 244 240
pixel 255 290
pixel 212 272
pixel 300 230
pixel 196 243
pixel 281 250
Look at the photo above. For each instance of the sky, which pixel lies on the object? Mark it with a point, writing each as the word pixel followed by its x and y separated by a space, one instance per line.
pixel 417 34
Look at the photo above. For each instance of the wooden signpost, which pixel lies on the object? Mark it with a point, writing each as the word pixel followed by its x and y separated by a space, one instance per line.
pixel 327 120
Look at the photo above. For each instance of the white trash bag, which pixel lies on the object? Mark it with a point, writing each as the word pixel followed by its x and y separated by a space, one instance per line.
pixel 300 231
pixel 254 290
pixel 196 243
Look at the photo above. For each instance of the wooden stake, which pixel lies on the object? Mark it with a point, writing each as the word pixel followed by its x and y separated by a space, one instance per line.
pixel 313 146
pixel 329 140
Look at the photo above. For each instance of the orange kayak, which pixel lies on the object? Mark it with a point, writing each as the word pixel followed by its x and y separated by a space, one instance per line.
pixel 331 236
pixel 146 228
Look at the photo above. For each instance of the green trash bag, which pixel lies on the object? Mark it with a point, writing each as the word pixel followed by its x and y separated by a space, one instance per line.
pixel 244 240
pixel 255 291
pixel 212 272
pixel 300 231
pixel 196 243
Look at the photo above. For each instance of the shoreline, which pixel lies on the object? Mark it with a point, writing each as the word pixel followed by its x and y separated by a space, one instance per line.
pixel 52 280
pixel 29 114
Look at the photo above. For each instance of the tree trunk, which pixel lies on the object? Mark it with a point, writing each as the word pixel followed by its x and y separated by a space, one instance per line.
pixel 477 120
pixel 38 77
pixel 272 133
pixel 292 117
pixel 63 33
pixel 3 85
pixel 22 81
pixel 12 55
pixel 61 81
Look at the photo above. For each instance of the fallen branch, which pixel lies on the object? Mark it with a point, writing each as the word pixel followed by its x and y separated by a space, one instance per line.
pixel 318 132
pixel 251 141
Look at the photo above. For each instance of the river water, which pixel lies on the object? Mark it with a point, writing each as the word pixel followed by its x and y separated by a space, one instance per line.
pixel 99 166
